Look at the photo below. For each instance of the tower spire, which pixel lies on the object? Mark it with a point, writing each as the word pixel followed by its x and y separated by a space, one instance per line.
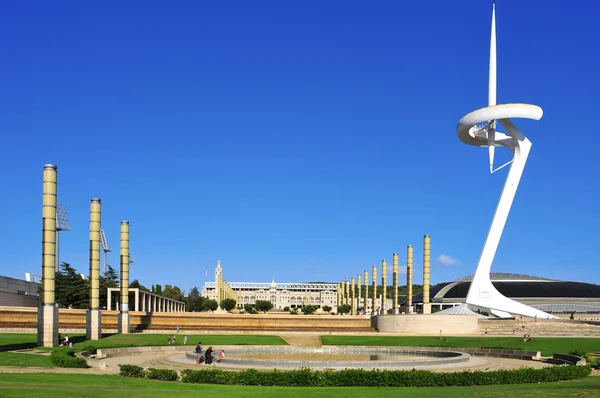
pixel 491 130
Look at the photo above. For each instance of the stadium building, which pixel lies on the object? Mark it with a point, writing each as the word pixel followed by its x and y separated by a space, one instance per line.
pixel 548 295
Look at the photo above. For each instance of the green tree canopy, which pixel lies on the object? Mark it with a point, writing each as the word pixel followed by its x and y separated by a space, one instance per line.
pixel 210 305
pixel 72 289
pixel 344 308
pixel 173 292
pixel 327 308
pixel 137 285
pixel 263 305
pixel 228 304
pixel 309 309
pixel 194 300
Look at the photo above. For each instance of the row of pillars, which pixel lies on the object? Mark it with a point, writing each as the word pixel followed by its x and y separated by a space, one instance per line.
pixel 350 293
pixel 147 302
pixel 48 312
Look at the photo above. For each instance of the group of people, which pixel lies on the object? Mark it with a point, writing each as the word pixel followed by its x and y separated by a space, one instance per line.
pixel 65 342
pixel 207 358
pixel 526 338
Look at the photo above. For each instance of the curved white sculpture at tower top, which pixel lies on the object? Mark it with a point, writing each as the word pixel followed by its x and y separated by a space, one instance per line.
pixel 478 128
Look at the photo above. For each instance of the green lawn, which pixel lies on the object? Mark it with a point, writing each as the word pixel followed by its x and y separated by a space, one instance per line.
pixel 19 359
pixel 29 340
pixel 71 385
pixel 547 345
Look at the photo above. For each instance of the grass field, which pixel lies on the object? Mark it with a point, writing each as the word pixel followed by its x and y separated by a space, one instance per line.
pixel 70 385
pixel 29 340
pixel 19 359
pixel 547 345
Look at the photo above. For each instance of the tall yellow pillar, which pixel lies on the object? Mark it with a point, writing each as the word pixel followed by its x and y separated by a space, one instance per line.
pixel 348 293
pixel 374 299
pixel 343 292
pixel 353 299
pixel 366 292
pixel 409 275
pixel 124 321
pixel 384 286
pixel 426 273
pixel 94 315
pixel 395 282
pixel 338 302
pixel 47 333
pixel 358 295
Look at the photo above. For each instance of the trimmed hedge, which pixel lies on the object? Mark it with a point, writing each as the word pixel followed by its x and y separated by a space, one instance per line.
pixel 64 358
pixel 132 371
pixel 162 374
pixel 150 373
pixel 306 377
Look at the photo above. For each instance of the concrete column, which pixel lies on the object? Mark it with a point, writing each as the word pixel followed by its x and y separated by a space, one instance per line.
pixel 338 291
pixel 47 333
pixel 366 292
pixel 374 299
pixel 94 315
pixel 108 299
pixel 124 321
pixel 395 282
pixel 348 300
pixel 353 305
pixel 409 275
pixel 426 272
pixel 358 293
pixel 383 286
pixel 137 300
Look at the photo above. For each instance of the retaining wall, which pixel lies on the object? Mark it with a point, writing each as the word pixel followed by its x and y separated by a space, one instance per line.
pixel 25 317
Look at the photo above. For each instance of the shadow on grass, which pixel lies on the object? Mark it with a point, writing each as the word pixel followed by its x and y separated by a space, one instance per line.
pixel 15 347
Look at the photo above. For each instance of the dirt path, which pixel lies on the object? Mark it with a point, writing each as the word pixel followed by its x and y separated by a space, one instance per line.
pixel 300 340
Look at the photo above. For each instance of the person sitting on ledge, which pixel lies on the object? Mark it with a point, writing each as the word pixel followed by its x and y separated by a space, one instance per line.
pixel 221 356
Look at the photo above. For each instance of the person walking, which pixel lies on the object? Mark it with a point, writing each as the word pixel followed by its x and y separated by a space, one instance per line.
pixel 184 339
pixel 208 356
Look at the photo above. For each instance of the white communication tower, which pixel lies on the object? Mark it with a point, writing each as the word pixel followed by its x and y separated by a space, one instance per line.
pixel 104 247
pixel 62 224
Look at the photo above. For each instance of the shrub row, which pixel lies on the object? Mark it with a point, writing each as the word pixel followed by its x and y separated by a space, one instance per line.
pixel 383 378
pixel 64 358
pixel 151 373
pixel 306 377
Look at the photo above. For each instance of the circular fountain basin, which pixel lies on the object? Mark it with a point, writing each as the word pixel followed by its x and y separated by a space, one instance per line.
pixel 335 357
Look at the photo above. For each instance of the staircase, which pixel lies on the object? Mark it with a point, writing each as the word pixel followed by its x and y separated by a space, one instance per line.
pixel 540 328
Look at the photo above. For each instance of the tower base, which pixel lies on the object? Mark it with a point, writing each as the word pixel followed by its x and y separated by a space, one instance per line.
pixel 427 309
pixel 93 325
pixel 124 323
pixel 47 326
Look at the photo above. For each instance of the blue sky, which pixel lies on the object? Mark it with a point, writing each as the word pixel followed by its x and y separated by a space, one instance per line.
pixel 296 140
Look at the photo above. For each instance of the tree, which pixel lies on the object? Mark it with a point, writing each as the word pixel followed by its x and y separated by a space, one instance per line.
pixel 194 300
pixel 263 305
pixel 157 289
pixel 344 308
pixel 111 274
pixel 327 308
pixel 210 305
pixel 286 308
pixel 72 290
pixel 173 292
pixel 309 309
pixel 137 285
pixel 228 304
pixel 110 279
pixel 248 307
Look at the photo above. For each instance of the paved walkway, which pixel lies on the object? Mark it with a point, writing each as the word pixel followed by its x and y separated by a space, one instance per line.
pixel 302 340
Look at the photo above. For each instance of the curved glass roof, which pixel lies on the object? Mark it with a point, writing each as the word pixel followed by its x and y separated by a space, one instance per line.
pixel 528 289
